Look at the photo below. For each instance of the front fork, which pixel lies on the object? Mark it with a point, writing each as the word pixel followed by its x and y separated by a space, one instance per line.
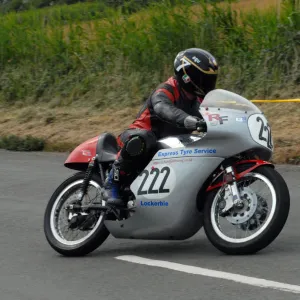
pixel 231 189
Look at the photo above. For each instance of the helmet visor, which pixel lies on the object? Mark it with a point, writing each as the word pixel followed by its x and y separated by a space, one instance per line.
pixel 205 84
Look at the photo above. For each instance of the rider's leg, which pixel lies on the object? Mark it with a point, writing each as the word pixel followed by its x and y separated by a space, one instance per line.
pixel 136 145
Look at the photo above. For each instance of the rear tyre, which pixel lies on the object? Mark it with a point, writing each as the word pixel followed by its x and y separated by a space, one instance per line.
pixel 56 204
pixel 272 224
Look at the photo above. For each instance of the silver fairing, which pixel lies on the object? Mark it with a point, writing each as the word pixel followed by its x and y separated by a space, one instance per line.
pixel 166 191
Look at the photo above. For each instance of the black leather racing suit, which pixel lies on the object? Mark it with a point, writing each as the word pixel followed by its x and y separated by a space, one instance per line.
pixel 162 115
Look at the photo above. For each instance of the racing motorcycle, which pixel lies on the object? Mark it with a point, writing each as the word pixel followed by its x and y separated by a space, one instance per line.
pixel 219 179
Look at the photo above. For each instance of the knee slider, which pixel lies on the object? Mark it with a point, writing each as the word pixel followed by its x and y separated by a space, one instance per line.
pixel 135 146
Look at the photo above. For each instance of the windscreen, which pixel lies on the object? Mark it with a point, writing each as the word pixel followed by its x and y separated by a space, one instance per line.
pixel 224 99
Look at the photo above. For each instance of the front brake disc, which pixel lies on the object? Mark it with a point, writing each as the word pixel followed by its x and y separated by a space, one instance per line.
pixel 242 215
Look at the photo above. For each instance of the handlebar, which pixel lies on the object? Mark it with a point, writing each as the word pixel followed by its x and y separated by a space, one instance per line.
pixel 201 126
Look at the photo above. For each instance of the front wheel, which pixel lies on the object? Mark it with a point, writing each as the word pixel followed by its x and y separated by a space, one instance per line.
pixel 258 222
pixel 75 233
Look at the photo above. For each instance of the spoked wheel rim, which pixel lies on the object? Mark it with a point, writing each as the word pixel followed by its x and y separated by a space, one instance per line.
pixel 58 208
pixel 252 214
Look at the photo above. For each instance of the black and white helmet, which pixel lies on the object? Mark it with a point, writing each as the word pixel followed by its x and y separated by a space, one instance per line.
pixel 196 71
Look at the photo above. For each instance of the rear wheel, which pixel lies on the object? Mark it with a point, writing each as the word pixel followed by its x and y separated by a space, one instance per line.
pixel 257 222
pixel 81 232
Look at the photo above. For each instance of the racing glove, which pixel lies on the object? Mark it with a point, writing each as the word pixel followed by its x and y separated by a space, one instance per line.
pixel 195 123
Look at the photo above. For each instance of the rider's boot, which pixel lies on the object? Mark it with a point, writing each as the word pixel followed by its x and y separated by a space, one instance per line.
pixel 112 186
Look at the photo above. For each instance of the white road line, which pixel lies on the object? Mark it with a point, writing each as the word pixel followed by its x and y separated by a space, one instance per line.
pixel 212 273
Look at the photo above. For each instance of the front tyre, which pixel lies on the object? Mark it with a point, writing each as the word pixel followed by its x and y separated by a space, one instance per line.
pixel 81 232
pixel 254 226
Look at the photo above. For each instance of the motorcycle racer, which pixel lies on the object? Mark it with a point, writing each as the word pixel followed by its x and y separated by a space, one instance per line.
pixel 171 109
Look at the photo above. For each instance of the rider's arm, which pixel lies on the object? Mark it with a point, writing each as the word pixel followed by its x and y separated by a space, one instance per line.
pixel 167 111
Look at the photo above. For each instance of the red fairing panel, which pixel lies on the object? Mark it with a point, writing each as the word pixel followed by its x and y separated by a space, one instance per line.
pixel 257 163
pixel 83 153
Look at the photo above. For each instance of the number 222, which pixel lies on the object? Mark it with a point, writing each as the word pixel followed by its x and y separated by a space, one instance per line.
pixel 151 190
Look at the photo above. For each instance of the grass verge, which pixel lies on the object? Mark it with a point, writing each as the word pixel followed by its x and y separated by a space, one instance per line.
pixel 64 128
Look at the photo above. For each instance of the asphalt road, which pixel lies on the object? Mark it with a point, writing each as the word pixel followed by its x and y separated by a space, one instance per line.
pixel 30 269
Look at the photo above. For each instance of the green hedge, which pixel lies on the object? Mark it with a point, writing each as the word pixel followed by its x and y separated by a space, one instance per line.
pixel 116 60
pixel 15 143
